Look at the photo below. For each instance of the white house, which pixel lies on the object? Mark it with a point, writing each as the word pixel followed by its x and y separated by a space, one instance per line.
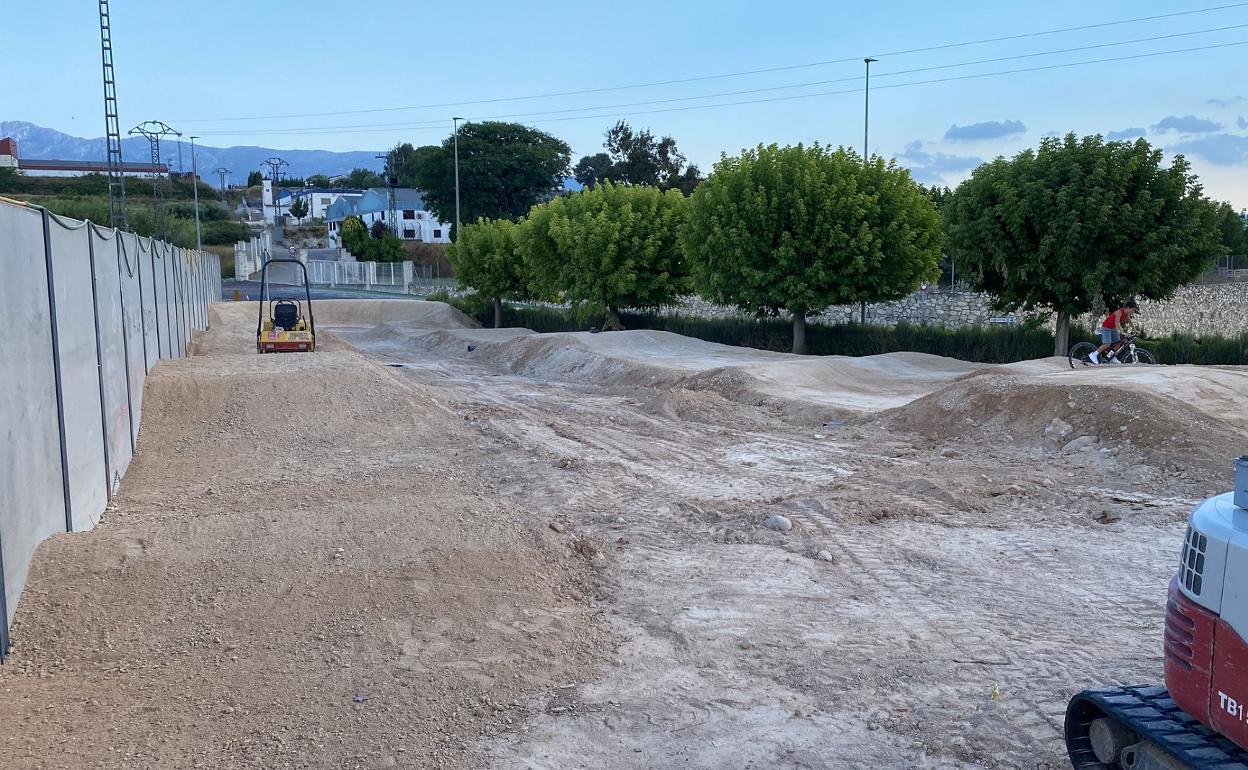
pixel 319 199
pixel 416 223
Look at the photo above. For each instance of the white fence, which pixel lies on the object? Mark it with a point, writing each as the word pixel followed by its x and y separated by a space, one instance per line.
pixel 371 276
pixel 85 313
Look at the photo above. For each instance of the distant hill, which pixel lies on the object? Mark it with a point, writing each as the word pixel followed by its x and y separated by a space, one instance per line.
pixel 46 143
pixel 37 142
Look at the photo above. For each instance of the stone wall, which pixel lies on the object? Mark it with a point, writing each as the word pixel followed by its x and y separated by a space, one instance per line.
pixel 1220 309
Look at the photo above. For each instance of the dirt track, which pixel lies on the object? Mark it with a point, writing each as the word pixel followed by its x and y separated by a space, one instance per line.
pixel 952 575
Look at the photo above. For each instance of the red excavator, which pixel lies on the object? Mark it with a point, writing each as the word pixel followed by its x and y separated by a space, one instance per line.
pixel 1199 720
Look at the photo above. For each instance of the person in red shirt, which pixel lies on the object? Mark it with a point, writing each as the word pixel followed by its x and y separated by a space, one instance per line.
pixel 1111 328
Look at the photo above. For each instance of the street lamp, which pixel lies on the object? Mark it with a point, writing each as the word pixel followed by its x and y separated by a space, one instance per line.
pixel 199 243
pixel 455 121
pixel 866 128
pixel 866 108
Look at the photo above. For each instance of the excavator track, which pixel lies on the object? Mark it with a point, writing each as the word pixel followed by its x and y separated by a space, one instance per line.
pixel 1150 713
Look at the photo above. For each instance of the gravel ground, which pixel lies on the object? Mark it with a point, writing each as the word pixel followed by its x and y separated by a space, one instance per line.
pixel 550 552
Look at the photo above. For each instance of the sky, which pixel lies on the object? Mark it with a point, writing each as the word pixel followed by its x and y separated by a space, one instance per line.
pixel 398 71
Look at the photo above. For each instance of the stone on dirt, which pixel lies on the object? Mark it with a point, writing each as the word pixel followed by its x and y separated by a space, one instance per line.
pixel 1081 443
pixel 1058 429
pixel 778 523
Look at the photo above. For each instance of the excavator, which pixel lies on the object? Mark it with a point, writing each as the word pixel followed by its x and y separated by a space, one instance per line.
pixel 285 330
pixel 1199 720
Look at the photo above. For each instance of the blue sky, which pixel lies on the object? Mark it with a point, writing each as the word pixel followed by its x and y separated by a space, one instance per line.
pixel 191 64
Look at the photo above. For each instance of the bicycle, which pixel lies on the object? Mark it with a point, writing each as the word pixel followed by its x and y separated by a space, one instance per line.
pixel 1124 351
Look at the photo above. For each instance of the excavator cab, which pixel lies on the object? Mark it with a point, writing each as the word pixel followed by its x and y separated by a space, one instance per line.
pixel 285 330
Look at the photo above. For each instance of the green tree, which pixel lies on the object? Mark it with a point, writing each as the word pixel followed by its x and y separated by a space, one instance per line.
pixel 504 169
pixel 320 180
pixel 255 179
pixel 363 178
pixel 797 229
pixel 1234 227
pixel 485 258
pixel 406 160
pixel 353 234
pixel 1080 222
pixel 299 209
pixel 378 230
pixel 610 247
pixel 638 157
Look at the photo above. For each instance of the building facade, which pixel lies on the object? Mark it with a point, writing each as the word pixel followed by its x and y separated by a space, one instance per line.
pixel 415 221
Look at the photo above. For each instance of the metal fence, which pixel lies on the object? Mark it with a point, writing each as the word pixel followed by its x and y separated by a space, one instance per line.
pixel 370 276
pixel 85 313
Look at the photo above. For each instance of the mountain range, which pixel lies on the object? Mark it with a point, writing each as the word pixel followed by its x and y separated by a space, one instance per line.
pixel 37 142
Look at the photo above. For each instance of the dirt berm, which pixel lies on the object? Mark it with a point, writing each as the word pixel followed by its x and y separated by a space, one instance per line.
pixel 1027 410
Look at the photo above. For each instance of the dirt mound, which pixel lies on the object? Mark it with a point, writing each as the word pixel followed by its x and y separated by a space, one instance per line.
pixel 1059 411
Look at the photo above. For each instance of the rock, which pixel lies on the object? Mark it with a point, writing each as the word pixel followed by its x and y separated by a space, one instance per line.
pixel 950 453
pixel 778 523
pixel 1007 489
pixel 1081 443
pixel 558 526
pixel 824 556
pixel 1058 429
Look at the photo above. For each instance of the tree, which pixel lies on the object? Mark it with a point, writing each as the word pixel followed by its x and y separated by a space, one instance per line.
pixel 378 230
pixel 1080 222
pixel 485 258
pixel 255 179
pixel 637 157
pixel 1234 228
pixel 797 229
pixel 504 169
pixel 369 247
pixel 607 248
pixel 299 209
pixel 353 233
pixel 320 180
pixel 406 160
pixel 363 178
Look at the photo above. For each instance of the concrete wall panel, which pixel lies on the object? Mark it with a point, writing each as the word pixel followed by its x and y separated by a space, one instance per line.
pixel 80 385
pixel 148 286
pixel 129 268
pixel 113 353
pixel 31 494
pixel 158 253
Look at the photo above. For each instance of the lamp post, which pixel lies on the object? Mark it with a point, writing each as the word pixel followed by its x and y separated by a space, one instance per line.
pixel 455 121
pixel 866 107
pixel 866 129
pixel 199 243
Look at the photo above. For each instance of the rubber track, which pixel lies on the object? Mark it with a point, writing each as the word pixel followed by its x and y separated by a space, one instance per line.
pixel 1151 713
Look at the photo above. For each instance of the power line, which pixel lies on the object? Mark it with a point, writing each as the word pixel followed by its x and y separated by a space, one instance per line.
pixel 742 73
pixel 766 89
pixel 430 125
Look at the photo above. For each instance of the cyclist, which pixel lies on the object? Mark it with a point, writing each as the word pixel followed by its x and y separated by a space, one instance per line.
pixel 1111 328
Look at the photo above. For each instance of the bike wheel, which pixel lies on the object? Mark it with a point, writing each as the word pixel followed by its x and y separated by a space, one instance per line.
pixel 1141 356
pixel 1078 355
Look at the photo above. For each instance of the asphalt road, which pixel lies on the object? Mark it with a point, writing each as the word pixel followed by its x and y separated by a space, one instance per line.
pixel 251 290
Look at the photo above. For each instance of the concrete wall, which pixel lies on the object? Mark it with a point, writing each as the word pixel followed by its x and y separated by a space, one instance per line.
pixel 85 313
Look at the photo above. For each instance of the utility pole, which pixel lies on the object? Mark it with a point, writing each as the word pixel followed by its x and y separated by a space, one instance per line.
pixel 455 122
pixel 199 243
pixel 224 173
pixel 118 211
pixel 392 182
pixel 866 128
pixel 153 130
pixel 275 173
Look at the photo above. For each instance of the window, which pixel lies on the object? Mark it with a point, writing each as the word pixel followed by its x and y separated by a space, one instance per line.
pixel 381 215
pixel 409 234
pixel 409 214
pixel 437 233
pixel 324 201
